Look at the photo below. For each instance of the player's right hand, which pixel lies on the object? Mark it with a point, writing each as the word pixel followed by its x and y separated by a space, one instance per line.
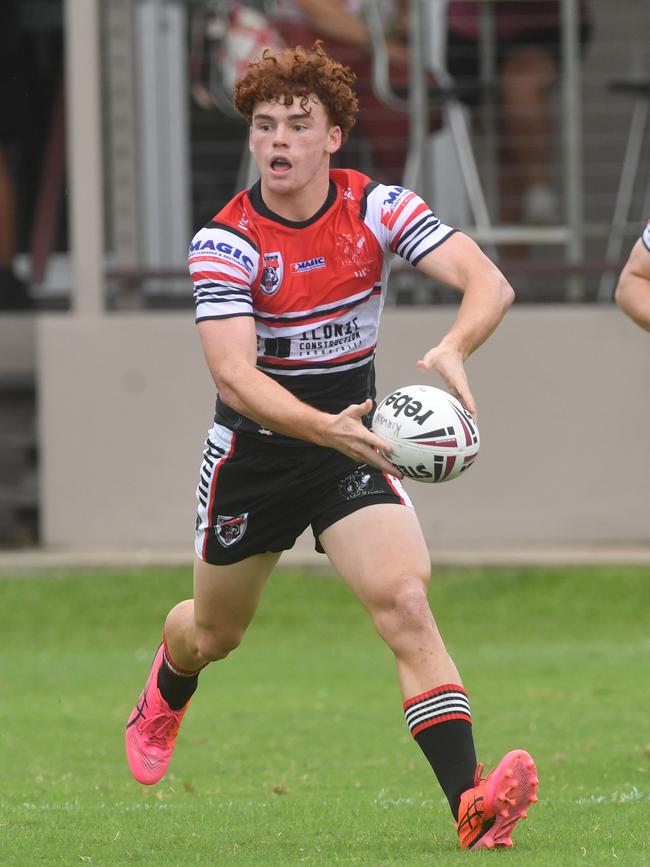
pixel 347 433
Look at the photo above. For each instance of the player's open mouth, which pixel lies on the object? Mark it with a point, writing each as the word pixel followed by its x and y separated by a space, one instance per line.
pixel 280 164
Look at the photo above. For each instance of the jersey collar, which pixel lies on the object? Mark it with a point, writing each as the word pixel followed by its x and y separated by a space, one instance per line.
pixel 256 200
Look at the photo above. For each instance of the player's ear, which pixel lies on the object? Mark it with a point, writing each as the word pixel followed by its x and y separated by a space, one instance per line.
pixel 250 138
pixel 334 139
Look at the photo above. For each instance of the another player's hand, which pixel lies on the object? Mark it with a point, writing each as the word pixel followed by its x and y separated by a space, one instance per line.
pixel 349 435
pixel 447 360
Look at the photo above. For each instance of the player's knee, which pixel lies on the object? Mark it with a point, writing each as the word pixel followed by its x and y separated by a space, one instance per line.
pixel 404 613
pixel 217 644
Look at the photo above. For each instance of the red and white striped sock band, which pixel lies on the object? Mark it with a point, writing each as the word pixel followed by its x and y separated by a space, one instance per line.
pixel 175 669
pixel 438 705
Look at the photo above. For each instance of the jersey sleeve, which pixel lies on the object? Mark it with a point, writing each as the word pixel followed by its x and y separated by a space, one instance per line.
pixel 403 223
pixel 646 236
pixel 223 263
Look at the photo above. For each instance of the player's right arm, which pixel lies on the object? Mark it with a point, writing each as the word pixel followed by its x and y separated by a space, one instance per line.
pixel 404 224
pixel 230 349
pixel 633 288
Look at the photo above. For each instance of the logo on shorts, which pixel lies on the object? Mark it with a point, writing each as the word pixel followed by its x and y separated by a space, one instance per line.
pixel 357 484
pixel 229 530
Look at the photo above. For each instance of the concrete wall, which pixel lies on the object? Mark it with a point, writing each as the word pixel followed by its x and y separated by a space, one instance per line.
pixel 124 406
pixel 17 345
pixel 564 414
pixel 17 429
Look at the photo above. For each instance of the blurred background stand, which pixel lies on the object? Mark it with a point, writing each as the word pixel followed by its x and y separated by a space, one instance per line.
pixel 632 171
pixel 477 184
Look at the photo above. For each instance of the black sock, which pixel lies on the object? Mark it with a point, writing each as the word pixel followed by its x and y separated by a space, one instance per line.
pixel 441 723
pixel 177 689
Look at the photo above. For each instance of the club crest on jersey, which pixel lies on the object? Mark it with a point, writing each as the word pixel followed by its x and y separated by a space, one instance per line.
pixel 229 530
pixel 352 249
pixel 272 273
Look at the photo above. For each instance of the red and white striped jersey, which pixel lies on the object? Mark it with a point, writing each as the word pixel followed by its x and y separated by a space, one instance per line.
pixel 316 289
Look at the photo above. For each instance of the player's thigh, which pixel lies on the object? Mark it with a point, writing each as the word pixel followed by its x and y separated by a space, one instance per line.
pixel 226 597
pixel 380 552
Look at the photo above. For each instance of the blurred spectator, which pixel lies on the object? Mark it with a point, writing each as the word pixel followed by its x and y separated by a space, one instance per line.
pixel 341 27
pixel 13 292
pixel 528 37
pixel 633 289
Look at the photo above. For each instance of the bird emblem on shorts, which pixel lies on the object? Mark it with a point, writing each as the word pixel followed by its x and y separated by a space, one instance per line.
pixel 357 484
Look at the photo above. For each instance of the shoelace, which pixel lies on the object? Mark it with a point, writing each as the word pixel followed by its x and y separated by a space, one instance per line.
pixel 161 728
pixel 474 811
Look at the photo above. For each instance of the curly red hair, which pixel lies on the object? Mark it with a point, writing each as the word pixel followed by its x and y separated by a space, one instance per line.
pixel 298 72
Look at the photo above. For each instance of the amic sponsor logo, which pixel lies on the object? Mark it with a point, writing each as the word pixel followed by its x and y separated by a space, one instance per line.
pixel 392 197
pixel 308 265
pixel 388 206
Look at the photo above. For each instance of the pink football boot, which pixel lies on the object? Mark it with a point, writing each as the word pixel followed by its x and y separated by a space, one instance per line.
pixel 492 807
pixel 151 730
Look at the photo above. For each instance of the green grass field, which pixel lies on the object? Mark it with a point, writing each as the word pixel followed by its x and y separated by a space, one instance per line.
pixel 295 750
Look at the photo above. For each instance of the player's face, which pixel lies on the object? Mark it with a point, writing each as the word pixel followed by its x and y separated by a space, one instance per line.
pixel 292 145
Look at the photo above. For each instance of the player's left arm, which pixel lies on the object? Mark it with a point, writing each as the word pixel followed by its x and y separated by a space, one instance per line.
pixel 487 295
pixel 633 288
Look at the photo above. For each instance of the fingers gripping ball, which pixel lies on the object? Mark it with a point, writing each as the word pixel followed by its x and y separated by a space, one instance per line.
pixel 434 438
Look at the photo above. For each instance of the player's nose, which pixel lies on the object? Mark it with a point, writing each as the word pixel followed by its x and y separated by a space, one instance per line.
pixel 280 139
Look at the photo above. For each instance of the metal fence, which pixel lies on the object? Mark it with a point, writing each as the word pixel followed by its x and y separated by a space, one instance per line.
pixel 170 158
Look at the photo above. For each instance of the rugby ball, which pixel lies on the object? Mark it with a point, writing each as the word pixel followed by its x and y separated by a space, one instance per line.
pixel 434 438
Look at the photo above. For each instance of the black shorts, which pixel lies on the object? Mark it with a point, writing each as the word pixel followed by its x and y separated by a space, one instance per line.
pixel 257 497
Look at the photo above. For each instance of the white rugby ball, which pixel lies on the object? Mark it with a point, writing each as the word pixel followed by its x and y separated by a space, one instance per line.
pixel 434 438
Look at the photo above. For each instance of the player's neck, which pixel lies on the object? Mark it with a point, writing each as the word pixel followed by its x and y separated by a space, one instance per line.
pixel 299 205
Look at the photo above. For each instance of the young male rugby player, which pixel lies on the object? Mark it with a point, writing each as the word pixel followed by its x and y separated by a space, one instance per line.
pixel 289 280
pixel 633 288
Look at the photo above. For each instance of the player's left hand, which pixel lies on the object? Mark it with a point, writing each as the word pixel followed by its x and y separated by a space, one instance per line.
pixel 447 360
